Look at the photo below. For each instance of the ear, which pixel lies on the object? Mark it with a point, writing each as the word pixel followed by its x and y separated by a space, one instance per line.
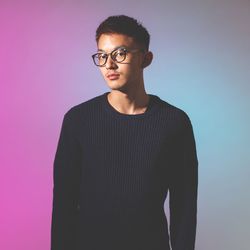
pixel 148 57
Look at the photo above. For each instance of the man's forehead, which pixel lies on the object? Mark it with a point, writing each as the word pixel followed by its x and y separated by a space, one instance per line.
pixel 116 36
pixel 110 41
pixel 112 49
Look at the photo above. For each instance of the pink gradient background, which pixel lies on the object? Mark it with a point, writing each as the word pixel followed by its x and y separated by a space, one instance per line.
pixel 201 64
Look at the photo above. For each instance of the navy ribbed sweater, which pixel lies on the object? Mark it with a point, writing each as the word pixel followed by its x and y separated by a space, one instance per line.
pixel 112 173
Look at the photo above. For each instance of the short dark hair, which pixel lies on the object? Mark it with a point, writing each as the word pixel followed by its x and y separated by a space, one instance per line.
pixel 125 25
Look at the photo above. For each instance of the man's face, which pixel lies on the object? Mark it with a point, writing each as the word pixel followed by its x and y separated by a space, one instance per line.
pixel 127 74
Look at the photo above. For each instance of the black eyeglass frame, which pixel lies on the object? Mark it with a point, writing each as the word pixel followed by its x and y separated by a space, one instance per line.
pixel 126 50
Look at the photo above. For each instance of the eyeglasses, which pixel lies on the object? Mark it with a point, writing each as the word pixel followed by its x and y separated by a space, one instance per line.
pixel 117 55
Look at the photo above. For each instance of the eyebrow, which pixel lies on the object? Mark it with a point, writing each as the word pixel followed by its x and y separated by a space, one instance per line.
pixel 120 46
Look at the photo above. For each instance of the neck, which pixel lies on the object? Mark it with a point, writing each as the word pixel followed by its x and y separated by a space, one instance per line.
pixel 133 102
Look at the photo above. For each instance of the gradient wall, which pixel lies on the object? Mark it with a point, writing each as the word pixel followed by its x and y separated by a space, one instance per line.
pixel 201 64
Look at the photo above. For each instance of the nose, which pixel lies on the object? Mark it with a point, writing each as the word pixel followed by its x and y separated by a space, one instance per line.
pixel 110 64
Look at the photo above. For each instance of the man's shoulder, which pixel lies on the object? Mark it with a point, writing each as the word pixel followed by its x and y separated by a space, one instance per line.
pixel 173 111
pixel 175 117
pixel 86 106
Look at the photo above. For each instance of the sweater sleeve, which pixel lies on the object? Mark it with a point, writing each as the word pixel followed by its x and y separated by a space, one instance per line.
pixel 66 178
pixel 183 191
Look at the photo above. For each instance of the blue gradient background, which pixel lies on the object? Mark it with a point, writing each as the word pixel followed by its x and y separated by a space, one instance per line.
pixel 201 64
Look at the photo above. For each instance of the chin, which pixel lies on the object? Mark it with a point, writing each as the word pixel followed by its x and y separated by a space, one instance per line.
pixel 116 86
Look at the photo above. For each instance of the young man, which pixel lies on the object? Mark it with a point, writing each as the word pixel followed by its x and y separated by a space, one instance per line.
pixel 118 156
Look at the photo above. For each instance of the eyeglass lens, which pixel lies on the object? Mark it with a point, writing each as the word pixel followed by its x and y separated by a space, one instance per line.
pixel 118 55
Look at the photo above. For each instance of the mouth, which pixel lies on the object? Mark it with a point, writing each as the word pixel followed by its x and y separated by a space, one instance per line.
pixel 113 76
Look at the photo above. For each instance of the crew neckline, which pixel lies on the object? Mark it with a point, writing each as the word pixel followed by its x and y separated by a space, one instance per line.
pixel 152 105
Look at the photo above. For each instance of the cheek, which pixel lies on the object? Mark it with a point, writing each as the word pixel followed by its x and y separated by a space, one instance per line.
pixel 134 69
pixel 128 68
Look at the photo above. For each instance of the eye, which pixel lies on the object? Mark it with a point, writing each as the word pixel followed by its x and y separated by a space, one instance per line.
pixel 119 55
pixel 101 56
pixel 120 52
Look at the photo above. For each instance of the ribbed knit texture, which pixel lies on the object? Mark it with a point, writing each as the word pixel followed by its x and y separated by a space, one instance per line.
pixel 112 174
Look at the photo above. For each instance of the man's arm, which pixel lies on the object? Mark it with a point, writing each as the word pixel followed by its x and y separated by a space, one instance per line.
pixel 66 177
pixel 183 191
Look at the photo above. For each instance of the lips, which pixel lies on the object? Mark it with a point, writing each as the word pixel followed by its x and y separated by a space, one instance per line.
pixel 113 76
